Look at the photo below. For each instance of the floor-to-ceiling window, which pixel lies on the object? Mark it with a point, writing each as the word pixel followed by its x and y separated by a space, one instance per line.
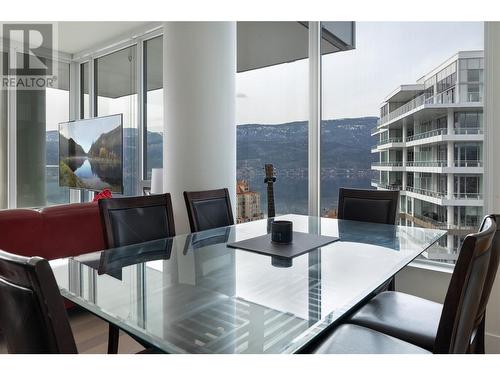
pixel 346 124
pixel 153 105
pixel 115 79
pixel 57 111
pixel 272 128
pixel 38 114
pixel 377 133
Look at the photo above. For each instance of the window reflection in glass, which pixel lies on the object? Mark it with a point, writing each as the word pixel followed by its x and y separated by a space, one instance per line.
pixel 116 77
pixel 84 87
pixel 153 105
pixel 56 111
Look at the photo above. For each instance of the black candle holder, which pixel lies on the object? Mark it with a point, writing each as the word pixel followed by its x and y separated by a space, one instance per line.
pixel 281 231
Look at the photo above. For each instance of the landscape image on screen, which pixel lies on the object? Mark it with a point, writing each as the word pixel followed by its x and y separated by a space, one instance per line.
pixel 90 154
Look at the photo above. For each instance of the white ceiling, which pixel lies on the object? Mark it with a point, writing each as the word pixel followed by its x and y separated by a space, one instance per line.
pixel 79 36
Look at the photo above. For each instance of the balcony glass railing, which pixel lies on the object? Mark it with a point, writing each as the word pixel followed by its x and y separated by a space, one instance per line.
pixel 427 163
pixel 467 131
pixel 473 97
pixel 431 133
pixel 390 140
pixel 435 222
pixel 412 104
pixel 468 196
pixel 468 163
pixel 429 193
pixel 388 164
pixel 443 131
pixel 384 185
pixel 441 98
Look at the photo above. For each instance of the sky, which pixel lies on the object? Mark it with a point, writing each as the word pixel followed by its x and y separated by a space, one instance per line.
pixel 354 82
pixel 85 133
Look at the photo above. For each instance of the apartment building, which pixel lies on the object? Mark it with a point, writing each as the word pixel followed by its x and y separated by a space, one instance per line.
pixel 248 208
pixel 430 146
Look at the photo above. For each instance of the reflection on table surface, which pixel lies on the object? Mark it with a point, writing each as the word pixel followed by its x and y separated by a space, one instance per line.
pixel 192 293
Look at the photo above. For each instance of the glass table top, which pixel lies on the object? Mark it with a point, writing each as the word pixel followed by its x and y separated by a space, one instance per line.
pixel 193 294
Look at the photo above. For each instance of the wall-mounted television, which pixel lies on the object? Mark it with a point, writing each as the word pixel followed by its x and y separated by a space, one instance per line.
pixel 91 153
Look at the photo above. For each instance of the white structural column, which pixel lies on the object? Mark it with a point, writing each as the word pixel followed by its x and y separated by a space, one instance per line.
pixel 450 154
pixel 450 119
pixel 492 155
pixel 405 154
pixel 314 118
pixel 449 182
pixel 199 77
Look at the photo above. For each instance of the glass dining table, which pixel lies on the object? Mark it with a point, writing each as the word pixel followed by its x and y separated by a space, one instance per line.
pixel 193 294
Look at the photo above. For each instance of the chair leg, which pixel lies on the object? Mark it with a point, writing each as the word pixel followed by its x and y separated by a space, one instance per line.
pixel 113 337
pixel 479 347
pixel 392 285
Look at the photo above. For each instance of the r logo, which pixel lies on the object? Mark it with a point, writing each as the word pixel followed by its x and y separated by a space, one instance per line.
pixel 28 48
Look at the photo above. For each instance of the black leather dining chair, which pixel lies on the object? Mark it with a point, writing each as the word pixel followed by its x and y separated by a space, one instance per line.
pixel 417 320
pixel 208 209
pixel 32 314
pixel 132 220
pixel 367 330
pixel 374 206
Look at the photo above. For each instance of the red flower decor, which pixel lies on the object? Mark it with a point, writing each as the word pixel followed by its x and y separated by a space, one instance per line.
pixel 106 193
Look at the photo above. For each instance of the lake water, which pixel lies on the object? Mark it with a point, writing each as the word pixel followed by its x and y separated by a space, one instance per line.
pixel 90 178
pixel 96 173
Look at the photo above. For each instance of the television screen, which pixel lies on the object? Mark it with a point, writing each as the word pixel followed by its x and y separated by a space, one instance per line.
pixel 90 154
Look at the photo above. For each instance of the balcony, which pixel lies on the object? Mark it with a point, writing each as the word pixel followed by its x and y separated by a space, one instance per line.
pixel 431 222
pixel 428 193
pixel 468 131
pixel 431 133
pixel 446 97
pixel 380 185
pixel 431 163
pixel 388 164
pixel 426 221
pixel 468 196
pixel 468 163
pixel 446 135
pixel 412 104
pixel 390 140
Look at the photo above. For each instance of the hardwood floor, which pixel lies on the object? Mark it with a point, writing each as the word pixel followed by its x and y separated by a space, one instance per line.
pixel 91 335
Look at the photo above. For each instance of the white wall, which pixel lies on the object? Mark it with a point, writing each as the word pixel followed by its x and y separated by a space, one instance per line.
pixel 426 283
pixel 492 158
pixel 199 151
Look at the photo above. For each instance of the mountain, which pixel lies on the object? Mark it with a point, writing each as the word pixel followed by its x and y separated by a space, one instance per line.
pixel 72 148
pixel 108 145
pixel 345 144
pixel 345 158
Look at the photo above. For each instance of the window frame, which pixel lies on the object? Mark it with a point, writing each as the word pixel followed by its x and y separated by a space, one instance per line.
pixel 91 58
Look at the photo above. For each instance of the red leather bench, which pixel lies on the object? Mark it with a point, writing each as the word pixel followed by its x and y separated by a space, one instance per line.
pixel 52 232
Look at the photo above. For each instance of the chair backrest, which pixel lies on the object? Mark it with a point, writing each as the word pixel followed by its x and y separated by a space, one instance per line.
pixel 462 302
pixel 32 313
pixel 375 206
pixel 208 209
pixel 492 269
pixel 132 220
